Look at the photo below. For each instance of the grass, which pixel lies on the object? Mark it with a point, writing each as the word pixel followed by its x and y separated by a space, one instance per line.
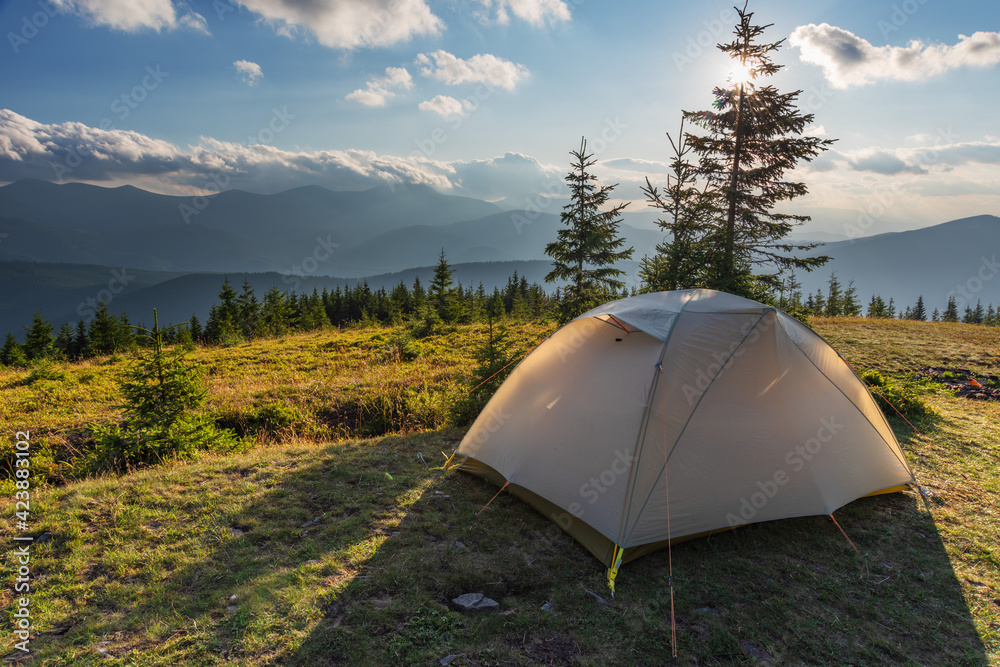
pixel 345 550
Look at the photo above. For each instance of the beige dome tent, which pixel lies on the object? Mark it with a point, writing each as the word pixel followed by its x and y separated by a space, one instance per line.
pixel 678 414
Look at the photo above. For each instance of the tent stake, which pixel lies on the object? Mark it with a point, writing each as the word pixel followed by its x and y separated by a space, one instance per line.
pixel 845 535
pixel 493 498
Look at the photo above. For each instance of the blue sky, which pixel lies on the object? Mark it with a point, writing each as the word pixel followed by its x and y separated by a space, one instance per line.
pixel 486 98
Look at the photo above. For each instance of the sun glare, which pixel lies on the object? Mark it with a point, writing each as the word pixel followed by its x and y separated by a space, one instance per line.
pixel 740 74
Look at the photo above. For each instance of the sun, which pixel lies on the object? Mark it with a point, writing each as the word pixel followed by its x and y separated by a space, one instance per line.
pixel 740 74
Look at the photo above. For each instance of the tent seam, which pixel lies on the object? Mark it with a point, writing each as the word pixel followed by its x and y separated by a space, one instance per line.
pixel 641 437
pixel 691 416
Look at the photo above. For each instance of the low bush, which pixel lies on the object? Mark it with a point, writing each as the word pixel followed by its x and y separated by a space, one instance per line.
pixel 895 398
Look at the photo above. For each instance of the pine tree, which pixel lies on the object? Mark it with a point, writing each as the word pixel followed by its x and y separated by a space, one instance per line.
pixel 124 334
pixel 936 316
pixel 968 317
pixel 313 315
pixel 587 247
pixel 876 307
pixel 890 310
pixel 819 303
pixel 849 304
pixel 102 331
pixel 39 339
pixel 80 341
pixel 791 294
pixel 194 325
pixel 275 312
pixel 441 294
pixel 680 260
pixel 979 314
pixel 12 353
pixel 223 319
pixel 919 312
pixel 834 296
pixel 419 297
pixel 951 311
pixel 754 137
pixel 160 390
pixel 249 311
pixel 63 344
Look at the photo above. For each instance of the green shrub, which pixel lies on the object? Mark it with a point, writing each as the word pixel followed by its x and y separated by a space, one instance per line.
pixel 891 396
pixel 270 420
pixel 117 447
pixel 44 370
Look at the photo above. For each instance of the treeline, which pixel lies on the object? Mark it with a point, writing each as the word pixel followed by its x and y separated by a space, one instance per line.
pixel 242 315
pixel 840 300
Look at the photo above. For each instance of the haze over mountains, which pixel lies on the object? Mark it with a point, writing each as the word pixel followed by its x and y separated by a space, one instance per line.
pixel 60 243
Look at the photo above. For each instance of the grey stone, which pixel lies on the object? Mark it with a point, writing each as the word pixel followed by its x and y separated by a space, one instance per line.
pixel 44 537
pixel 448 659
pixel 548 607
pixel 597 597
pixel 475 602
pixel 706 610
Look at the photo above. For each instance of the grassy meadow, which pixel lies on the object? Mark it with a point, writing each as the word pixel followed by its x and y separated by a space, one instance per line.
pixel 331 536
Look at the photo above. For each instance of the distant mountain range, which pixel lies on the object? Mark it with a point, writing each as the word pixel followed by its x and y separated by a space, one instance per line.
pixel 954 258
pixel 61 244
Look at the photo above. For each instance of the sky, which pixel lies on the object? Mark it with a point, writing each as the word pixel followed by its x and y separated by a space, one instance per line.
pixel 486 98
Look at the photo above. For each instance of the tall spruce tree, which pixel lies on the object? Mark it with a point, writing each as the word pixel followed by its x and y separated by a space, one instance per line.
pixel 80 340
pixel 876 307
pixel 950 311
pixel 680 261
pixel 38 340
pixel 919 312
pixel 63 344
pixel 834 297
pixel 754 135
pixel 441 293
pixel 849 304
pixel 12 353
pixel 587 248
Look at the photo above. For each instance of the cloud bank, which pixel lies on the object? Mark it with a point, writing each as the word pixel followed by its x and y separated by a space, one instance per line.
pixel 132 16
pixel 848 60
pixel 348 24
pixel 76 152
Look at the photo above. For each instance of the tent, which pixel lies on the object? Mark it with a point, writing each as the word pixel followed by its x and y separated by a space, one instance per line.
pixel 673 415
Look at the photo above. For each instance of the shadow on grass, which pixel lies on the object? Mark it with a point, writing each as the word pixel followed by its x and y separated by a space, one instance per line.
pixel 336 563
pixel 785 592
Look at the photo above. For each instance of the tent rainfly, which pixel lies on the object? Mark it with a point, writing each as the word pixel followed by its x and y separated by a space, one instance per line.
pixel 673 415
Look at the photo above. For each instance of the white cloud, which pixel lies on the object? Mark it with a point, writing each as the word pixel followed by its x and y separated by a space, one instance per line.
pixel 535 12
pixel 380 89
pixel 76 152
pixel 348 24
pixel 442 105
pixel 848 60
pixel 815 131
pixel 481 68
pixel 134 15
pixel 884 162
pixel 515 179
pixel 250 72
pixel 636 164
